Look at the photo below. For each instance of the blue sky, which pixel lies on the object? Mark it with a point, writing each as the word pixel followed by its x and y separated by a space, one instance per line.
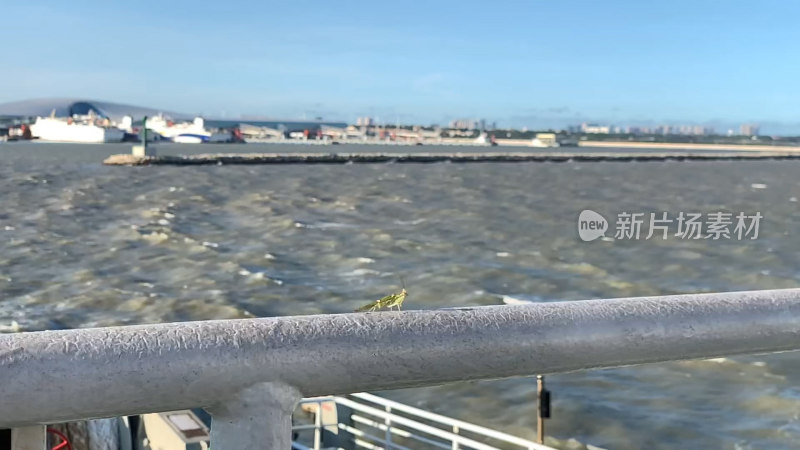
pixel 531 63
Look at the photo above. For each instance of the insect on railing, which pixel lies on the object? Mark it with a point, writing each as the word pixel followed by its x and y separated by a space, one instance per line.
pixel 251 373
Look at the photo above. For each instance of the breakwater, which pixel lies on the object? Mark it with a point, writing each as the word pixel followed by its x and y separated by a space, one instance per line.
pixel 691 146
pixel 344 158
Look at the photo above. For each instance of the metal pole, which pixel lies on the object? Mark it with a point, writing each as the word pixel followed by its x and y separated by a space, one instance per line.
pixel 258 417
pixel 318 426
pixel 539 416
pixel 388 422
pixel 144 134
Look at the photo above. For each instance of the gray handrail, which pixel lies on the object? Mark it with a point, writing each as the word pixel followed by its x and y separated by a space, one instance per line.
pixel 239 368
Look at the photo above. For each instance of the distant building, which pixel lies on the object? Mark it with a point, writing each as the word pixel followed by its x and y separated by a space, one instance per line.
pixel 593 128
pixel 663 129
pixel 749 129
pixel 69 107
pixel 692 130
pixel 472 124
pixel 365 121
pixel 464 124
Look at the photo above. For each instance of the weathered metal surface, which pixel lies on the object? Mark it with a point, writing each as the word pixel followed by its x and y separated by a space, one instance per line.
pixel 65 375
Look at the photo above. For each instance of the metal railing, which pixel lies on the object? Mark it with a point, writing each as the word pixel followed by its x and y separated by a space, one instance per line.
pixel 375 422
pixel 251 373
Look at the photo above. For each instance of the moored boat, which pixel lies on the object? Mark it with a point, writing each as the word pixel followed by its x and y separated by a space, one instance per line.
pixel 75 129
pixel 545 140
pixel 193 132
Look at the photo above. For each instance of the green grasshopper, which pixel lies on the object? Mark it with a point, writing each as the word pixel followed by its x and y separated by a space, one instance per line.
pixel 390 301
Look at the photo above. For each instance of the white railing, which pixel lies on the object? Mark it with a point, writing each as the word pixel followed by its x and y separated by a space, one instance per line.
pixel 375 421
pixel 251 373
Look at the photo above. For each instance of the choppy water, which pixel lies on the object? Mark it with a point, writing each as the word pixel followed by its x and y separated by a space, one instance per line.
pixel 86 245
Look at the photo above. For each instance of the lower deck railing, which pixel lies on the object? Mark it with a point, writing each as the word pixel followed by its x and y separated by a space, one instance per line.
pixel 367 421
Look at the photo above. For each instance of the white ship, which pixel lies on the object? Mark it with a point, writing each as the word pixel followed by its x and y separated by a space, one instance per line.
pixel 186 132
pixel 86 129
pixel 545 140
pixel 255 134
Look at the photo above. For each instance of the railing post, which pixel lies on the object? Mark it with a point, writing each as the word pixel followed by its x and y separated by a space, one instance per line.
pixel 539 415
pixel 388 423
pixel 29 438
pixel 336 436
pixel 318 426
pixel 455 443
pixel 257 417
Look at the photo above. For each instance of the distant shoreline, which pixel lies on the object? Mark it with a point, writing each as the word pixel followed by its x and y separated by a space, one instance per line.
pixel 688 146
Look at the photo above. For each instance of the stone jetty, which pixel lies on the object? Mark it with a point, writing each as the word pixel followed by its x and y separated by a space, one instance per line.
pixel 343 158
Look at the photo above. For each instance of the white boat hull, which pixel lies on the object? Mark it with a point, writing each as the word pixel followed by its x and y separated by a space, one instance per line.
pixel 539 144
pixel 59 130
pixel 201 138
pixel 186 132
pixel 189 139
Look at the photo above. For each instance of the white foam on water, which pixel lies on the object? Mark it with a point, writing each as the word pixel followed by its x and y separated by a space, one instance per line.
pixel 720 360
pixel 361 273
pixel 156 237
pixel 324 225
pixel 520 299
pixel 410 222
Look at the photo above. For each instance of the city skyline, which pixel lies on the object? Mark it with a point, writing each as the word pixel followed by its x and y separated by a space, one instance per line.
pixel 517 64
pixel 683 129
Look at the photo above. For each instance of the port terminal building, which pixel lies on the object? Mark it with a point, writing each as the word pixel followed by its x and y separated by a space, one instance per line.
pixel 26 111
